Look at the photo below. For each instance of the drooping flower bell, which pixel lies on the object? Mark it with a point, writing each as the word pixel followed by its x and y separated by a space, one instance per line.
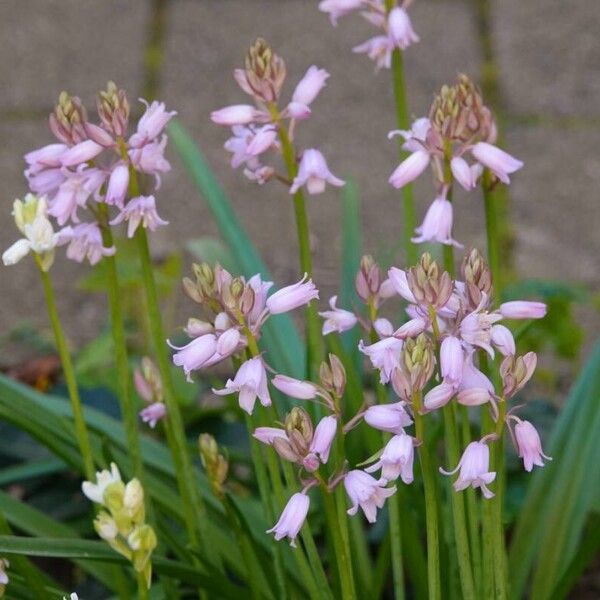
pixel 367 493
pixel 474 468
pixel 292 518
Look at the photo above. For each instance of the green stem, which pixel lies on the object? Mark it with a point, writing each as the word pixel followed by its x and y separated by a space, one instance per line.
pixel 431 504
pixel 461 537
pixel 314 341
pixel 344 563
pixel 128 409
pixel 194 512
pixel 142 587
pixel 491 225
pixel 81 431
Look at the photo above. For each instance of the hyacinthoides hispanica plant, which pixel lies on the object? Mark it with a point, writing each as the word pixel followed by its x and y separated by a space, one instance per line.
pixel 446 371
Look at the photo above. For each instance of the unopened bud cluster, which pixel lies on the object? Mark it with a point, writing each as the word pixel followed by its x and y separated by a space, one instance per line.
pixel 121 520
pixel 214 463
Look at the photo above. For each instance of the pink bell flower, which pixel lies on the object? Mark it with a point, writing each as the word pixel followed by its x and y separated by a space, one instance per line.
pixel 400 283
pixel 262 139
pixel 400 30
pixel 151 123
pixel 337 319
pixel 306 91
pixel 416 137
pixel 396 460
pixel 388 417
pixel 314 173
pixel 384 355
pixel 521 309
pixel 301 390
pixel 410 168
pixel 339 8
pixel 529 445
pixel 85 241
pixel 139 211
pixel 267 435
pixel 437 224
pixel 195 354
pixel 475 388
pixel 292 296
pixel 439 396
pixel 117 185
pixel 367 492
pixel 150 159
pixel 237 114
pixel 153 413
pixel 46 157
pixel 463 173
pixel 379 49
pixel 499 162
pixel 250 382
pixel 292 518
pixel 451 359
pixel 474 468
pixel 323 438
pixel 81 153
pixel 503 340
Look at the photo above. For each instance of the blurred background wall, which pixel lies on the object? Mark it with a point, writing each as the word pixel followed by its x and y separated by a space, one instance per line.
pixel 540 61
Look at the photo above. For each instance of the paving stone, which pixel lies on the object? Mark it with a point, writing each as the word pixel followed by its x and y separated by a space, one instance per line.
pixel 52 45
pixel 548 53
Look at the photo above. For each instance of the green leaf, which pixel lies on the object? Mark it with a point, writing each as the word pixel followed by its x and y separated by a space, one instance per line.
pixel 286 349
pixel 78 549
pixel 30 470
pixel 561 495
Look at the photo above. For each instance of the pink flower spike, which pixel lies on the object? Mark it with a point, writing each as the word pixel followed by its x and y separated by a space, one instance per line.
pixel 384 355
pixel 117 185
pixel 153 414
pixel 396 460
pixel 463 173
pixel 339 8
pixel 250 382
pixel 314 173
pixel 388 417
pixel 81 153
pixel 410 168
pixel 437 224
pixel 292 296
pixel 151 123
pixel 292 518
pixel 267 435
pixel 529 445
pixel 194 355
pixel 301 390
pixel 323 438
pixel 140 210
pixel 451 359
pixel 306 91
pixel 474 469
pixel 367 492
pixel 337 319
pixel 439 396
pixel 400 28
pixel 521 309
pixel 503 339
pixel 499 162
pixel 237 114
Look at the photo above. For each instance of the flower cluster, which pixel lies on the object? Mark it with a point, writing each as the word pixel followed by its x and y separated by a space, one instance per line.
pixel 259 128
pixel 149 387
pixel 236 310
pixel 396 30
pixel 91 166
pixel 121 522
pixel 459 125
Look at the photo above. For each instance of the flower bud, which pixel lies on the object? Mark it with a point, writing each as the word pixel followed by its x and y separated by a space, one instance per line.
pixel 299 429
pixel 205 279
pixel 215 464
pixel 368 278
pixel 106 526
pixel 113 109
pixel 264 72
pixel 477 277
pixel 333 376
pixel 516 371
pixel 68 120
pixel 133 500
pixel 428 284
